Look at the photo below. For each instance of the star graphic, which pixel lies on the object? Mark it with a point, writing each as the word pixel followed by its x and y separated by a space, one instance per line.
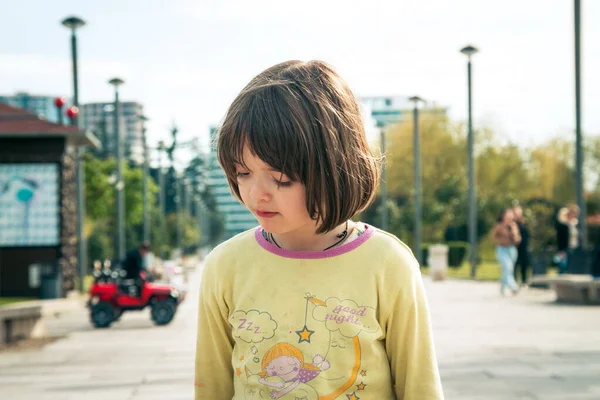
pixel 363 372
pixel 242 358
pixel 238 371
pixel 361 386
pixel 304 335
pixel 353 396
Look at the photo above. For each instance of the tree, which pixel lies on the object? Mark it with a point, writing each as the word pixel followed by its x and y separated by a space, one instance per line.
pixel 552 170
pixel 100 206
pixel 504 173
pixel 99 190
pixel 443 176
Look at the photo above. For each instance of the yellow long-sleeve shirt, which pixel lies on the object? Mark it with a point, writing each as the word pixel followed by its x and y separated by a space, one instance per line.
pixel 351 322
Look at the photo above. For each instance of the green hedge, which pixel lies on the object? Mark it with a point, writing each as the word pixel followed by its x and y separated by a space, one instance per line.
pixel 458 252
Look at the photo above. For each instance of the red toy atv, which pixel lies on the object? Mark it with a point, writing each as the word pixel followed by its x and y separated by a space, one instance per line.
pixel 111 295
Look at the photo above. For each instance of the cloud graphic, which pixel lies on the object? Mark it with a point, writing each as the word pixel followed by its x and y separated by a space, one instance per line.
pixel 252 326
pixel 347 317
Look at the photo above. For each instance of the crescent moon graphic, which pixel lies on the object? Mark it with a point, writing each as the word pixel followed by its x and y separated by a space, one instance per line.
pixel 355 367
pixel 353 375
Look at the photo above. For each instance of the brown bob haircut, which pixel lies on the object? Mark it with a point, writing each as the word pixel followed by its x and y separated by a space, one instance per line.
pixel 303 120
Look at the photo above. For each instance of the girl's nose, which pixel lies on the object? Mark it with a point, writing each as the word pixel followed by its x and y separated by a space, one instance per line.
pixel 259 191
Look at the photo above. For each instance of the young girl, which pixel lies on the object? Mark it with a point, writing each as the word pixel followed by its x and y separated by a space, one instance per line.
pixel 309 283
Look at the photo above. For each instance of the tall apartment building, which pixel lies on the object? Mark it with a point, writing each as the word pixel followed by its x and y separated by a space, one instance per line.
pixel 237 217
pixel 99 118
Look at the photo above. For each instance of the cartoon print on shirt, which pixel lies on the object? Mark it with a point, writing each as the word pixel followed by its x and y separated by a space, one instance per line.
pixel 253 326
pixel 286 362
pixel 284 374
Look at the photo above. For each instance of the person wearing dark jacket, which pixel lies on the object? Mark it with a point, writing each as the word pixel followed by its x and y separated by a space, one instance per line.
pixel 134 260
pixel 562 240
pixel 522 263
pixel 596 261
pixel 134 265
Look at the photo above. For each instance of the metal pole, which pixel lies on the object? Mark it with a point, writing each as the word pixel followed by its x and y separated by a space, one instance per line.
pixel 75 74
pixel 471 167
pixel 161 184
pixel 384 189
pixel 120 183
pixel 417 177
pixel 198 208
pixel 105 149
pixel 578 134
pixel 178 206
pixel 146 208
pixel 61 120
pixel 188 203
pixel 82 245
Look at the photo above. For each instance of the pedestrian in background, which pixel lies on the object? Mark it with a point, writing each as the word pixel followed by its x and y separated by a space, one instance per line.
pixel 523 260
pixel 574 233
pixel 507 238
pixel 562 240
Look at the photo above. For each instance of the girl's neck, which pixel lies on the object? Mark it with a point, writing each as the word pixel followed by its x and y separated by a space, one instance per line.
pixel 308 240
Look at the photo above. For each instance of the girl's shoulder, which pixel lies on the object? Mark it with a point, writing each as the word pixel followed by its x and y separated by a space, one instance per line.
pixel 389 241
pixel 390 248
pixel 239 245
pixel 391 258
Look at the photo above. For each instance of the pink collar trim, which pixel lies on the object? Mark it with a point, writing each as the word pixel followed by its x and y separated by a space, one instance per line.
pixel 336 251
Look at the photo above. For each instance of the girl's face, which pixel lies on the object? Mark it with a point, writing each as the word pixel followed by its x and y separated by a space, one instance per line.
pixel 509 216
pixel 285 367
pixel 278 203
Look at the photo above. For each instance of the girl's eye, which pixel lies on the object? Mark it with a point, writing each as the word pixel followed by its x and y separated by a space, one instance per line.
pixel 241 174
pixel 283 183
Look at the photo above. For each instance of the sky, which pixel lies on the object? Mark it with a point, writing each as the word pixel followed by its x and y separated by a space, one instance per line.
pixel 186 60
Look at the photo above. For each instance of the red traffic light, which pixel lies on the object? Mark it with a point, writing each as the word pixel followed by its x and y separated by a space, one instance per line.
pixel 60 102
pixel 72 112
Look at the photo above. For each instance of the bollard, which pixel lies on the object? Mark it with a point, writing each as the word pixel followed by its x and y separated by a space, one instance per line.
pixel 438 262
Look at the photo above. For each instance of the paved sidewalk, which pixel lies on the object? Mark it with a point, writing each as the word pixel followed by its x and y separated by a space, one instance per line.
pixel 524 347
pixel 489 347
pixel 131 360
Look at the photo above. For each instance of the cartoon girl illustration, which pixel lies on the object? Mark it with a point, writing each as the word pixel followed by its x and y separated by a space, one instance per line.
pixel 286 363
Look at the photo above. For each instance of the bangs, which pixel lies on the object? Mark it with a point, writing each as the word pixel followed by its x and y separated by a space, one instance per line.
pixel 274 125
pixel 302 119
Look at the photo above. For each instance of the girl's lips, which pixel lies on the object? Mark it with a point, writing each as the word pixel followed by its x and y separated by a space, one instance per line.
pixel 266 214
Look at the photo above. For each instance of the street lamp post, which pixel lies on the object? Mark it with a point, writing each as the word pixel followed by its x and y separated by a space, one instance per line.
pixel 384 188
pixel 578 134
pixel 178 207
pixel 120 186
pixel 107 110
pixel 161 181
pixel 73 23
pixel 73 113
pixel 188 194
pixel 146 229
pixel 59 103
pixel 417 177
pixel 469 51
pixel 198 209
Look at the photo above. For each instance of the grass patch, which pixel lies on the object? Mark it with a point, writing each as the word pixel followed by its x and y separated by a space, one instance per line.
pixel 486 271
pixel 11 300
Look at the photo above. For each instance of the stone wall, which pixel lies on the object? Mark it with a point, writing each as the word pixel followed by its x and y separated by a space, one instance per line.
pixel 68 211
